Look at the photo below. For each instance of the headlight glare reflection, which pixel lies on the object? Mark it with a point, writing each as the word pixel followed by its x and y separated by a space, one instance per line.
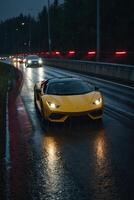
pixel 98 101
pixel 40 61
pixel 29 61
pixel 53 105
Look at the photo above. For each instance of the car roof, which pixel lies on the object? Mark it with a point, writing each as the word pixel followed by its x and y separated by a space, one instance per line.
pixel 32 56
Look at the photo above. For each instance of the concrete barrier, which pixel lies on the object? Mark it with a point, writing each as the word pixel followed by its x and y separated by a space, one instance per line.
pixel 107 70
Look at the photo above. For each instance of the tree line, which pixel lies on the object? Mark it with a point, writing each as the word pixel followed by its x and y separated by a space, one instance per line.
pixel 72 26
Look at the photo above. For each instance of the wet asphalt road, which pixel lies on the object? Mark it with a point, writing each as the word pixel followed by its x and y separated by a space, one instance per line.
pixel 81 159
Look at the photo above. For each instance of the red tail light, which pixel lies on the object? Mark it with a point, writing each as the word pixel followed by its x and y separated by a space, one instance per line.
pixel 57 53
pixel 120 53
pixel 71 52
pixel 92 53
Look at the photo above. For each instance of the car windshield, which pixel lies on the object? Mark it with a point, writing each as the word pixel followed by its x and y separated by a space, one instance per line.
pixel 32 57
pixel 69 88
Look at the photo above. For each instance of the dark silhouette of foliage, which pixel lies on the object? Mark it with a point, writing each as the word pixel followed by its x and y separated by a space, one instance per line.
pixel 72 26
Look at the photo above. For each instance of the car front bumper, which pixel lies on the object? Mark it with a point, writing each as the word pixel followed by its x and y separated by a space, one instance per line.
pixel 34 63
pixel 62 117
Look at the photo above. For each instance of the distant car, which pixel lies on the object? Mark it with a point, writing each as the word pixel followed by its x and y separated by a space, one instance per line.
pixel 61 98
pixel 13 59
pixel 17 59
pixel 33 60
pixel 3 58
pixel 20 59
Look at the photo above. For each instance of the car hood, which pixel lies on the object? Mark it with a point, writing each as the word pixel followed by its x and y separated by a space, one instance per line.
pixel 73 103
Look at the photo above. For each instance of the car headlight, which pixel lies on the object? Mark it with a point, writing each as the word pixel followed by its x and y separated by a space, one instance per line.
pixel 53 105
pixel 29 61
pixel 98 101
pixel 40 61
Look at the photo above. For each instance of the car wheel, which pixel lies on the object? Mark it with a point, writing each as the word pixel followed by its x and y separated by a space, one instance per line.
pixel 43 116
pixel 42 109
pixel 35 98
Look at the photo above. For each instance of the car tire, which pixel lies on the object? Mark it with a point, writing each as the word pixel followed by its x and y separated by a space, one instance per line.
pixel 42 113
pixel 43 117
pixel 35 98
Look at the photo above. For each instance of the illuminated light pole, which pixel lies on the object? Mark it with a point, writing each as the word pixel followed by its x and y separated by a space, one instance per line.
pixel 49 34
pixel 98 31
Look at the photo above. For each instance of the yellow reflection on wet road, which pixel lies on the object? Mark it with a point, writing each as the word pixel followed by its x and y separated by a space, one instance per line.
pixel 104 179
pixel 16 64
pixel 52 167
pixel 51 148
pixel 100 148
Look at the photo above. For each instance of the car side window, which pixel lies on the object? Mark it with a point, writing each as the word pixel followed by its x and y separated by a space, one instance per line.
pixel 44 86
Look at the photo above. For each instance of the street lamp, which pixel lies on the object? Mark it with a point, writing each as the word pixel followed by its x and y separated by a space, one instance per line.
pixel 30 28
pixel 98 31
pixel 29 34
pixel 19 30
pixel 49 35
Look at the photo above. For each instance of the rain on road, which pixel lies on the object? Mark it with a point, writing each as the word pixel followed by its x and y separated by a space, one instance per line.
pixel 77 160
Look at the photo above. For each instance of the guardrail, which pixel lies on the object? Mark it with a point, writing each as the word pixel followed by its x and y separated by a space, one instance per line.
pixel 108 70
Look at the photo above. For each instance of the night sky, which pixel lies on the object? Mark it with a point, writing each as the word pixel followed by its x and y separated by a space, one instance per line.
pixel 12 8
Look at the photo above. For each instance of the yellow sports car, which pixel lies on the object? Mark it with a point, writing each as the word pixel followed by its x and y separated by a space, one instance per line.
pixel 61 98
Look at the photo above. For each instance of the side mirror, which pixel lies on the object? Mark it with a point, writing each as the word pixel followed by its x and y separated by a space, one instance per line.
pixel 96 88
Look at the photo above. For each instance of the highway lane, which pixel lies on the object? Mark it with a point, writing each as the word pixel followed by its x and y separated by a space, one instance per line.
pixel 118 98
pixel 81 159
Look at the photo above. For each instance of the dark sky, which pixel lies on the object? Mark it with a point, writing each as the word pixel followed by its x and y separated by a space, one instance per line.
pixel 12 8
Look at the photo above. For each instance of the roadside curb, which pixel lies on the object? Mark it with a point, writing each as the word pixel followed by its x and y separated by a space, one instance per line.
pixel 17 120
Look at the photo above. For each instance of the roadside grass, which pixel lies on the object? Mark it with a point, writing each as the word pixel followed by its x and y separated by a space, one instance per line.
pixel 7 73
